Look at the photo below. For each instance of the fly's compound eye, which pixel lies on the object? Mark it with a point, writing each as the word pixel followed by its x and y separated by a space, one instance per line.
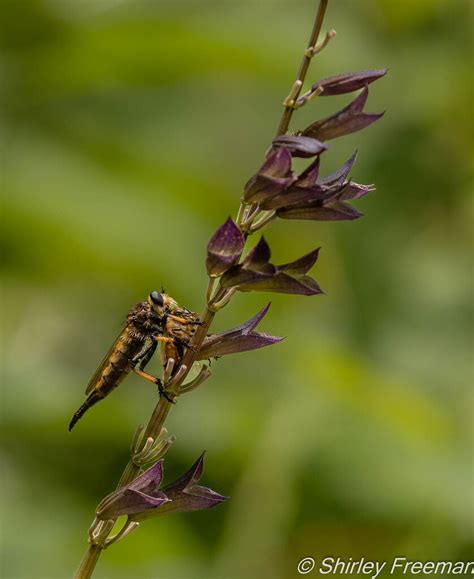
pixel 156 298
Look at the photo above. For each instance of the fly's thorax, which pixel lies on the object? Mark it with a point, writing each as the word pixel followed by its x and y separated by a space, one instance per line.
pixel 144 321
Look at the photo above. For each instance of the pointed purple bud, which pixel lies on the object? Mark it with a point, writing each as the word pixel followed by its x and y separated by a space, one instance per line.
pixel 302 265
pixel 224 248
pixel 259 254
pixel 216 346
pixel 310 175
pixel 296 196
pixel 282 283
pixel 185 495
pixel 239 339
pixel 300 146
pixel 353 190
pixel 274 176
pixel 304 190
pixel 348 120
pixel 142 499
pixel 260 275
pixel 348 82
pixel 339 176
pixel 337 211
pixel 142 494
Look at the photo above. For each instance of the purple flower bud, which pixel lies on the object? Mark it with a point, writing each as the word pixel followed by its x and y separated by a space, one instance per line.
pixel 348 120
pixel 300 146
pixel 337 211
pixel 185 495
pixel 347 82
pixel 256 273
pixel 320 200
pixel 295 196
pixel 301 265
pixel 274 176
pixel 310 175
pixel 140 495
pixel 353 190
pixel 224 248
pixel 142 499
pixel 339 176
pixel 239 339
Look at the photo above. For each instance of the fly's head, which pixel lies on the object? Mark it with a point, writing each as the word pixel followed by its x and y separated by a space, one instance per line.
pixel 161 303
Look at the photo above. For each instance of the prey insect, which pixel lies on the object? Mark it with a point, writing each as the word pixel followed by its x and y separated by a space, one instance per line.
pixel 157 320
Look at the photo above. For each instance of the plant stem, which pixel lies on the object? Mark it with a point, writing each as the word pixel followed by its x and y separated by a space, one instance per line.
pixel 303 69
pixel 88 563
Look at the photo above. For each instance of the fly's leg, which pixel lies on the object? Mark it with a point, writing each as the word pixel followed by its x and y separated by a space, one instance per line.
pixel 185 321
pixel 183 343
pixel 154 380
pixel 145 355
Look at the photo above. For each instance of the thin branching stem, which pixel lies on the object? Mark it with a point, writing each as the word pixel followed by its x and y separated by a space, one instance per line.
pixel 303 69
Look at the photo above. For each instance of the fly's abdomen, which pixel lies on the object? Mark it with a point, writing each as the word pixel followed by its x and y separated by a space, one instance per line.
pixel 112 371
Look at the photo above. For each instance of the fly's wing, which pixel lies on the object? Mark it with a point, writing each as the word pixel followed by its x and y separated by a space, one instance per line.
pixel 100 370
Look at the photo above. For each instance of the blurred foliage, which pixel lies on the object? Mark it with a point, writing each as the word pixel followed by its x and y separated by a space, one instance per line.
pixel 128 130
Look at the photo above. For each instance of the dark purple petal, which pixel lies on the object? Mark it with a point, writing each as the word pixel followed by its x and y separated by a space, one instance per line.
pixel 354 191
pixel 259 255
pixel 295 195
pixel 218 345
pixel 224 248
pixel 247 326
pixel 141 494
pixel 348 82
pixel 310 175
pixel 272 178
pixel 340 175
pixel 260 187
pixel 189 478
pixel 149 481
pixel 277 164
pixel 338 211
pixel 348 120
pixel 238 339
pixel 283 283
pixel 239 275
pixel 129 502
pixel 185 495
pixel 302 265
pixel 196 499
pixel 300 146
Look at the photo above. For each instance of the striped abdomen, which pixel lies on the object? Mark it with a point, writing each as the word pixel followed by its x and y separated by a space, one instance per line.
pixel 114 368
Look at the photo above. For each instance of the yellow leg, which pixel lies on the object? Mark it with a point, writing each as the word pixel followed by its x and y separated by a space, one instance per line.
pixel 154 380
pixel 177 319
pixel 184 320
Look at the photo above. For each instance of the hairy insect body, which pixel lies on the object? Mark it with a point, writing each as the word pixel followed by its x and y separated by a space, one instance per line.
pixel 182 334
pixel 149 322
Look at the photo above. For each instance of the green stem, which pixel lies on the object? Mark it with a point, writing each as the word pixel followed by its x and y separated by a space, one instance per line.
pixel 88 563
pixel 303 69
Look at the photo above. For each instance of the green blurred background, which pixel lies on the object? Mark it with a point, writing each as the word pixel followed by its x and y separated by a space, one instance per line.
pixel 128 129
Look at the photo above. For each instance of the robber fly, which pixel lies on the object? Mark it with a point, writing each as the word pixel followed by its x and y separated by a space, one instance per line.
pixel 159 319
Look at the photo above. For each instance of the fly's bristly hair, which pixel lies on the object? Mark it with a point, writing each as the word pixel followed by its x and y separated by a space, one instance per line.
pixel 144 321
